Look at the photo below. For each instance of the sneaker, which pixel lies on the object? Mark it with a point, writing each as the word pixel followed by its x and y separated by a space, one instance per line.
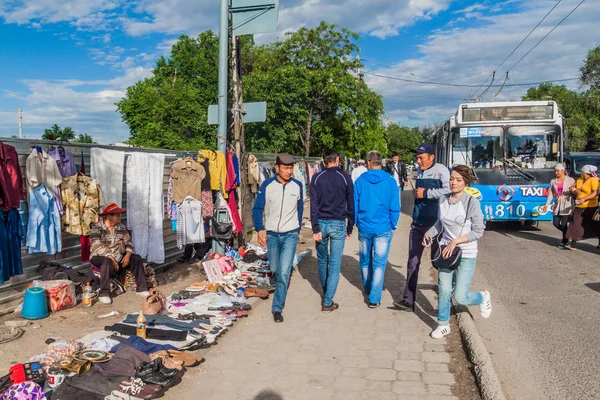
pixel 374 305
pixel 105 300
pixel 440 331
pixel 332 307
pixel 277 316
pixel 486 305
pixel 143 294
pixel 404 305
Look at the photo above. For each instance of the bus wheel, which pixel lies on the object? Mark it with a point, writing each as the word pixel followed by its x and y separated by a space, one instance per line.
pixel 529 223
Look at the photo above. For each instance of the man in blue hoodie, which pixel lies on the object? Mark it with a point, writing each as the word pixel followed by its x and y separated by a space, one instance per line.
pixel 377 209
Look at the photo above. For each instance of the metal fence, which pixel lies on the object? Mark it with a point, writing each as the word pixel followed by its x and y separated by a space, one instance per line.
pixel 11 292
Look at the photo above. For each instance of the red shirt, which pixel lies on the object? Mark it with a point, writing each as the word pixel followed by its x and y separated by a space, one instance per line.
pixel 11 180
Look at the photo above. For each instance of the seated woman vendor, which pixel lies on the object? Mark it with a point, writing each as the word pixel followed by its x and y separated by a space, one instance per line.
pixel 112 250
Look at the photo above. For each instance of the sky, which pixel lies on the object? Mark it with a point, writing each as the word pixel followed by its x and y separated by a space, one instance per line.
pixel 68 62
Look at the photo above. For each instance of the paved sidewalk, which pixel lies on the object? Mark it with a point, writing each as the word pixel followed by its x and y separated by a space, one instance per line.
pixel 352 353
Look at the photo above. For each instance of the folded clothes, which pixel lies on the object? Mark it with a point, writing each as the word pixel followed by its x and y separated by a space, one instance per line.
pixel 124 362
pixel 142 345
pixel 157 320
pixel 151 333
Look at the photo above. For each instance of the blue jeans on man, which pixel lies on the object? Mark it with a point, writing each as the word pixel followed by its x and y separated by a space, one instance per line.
pixel 281 250
pixel 374 249
pixel 464 275
pixel 329 255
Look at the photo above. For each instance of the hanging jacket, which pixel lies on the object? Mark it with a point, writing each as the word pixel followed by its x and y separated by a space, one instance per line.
pixel 43 229
pixel 11 180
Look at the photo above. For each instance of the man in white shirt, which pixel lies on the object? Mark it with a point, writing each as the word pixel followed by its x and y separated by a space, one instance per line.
pixel 359 170
pixel 397 169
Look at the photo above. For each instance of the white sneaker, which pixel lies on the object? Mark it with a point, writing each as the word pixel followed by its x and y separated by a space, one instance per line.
pixel 486 305
pixel 440 331
pixel 105 300
pixel 143 294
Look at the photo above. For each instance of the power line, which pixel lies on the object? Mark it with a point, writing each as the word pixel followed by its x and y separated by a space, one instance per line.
pixel 519 45
pixel 466 85
pixel 548 34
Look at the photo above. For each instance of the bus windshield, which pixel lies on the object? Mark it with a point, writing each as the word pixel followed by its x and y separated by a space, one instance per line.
pixel 533 146
pixel 477 147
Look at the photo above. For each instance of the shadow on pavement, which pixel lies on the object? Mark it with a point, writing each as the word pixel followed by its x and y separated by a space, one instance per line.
pixel 268 395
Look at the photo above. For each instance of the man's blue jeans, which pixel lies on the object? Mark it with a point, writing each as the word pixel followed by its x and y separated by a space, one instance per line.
pixel 464 275
pixel 374 249
pixel 329 254
pixel 281 249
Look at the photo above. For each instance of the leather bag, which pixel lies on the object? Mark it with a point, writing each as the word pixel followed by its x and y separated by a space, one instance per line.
pixel 154 303
pixel 451 263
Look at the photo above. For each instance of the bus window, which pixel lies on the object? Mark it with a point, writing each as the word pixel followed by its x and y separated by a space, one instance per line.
pixel 482 150
pixel 533 146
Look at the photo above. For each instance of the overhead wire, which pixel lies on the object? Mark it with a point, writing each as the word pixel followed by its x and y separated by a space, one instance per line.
pixel 546 35
pixel 519 45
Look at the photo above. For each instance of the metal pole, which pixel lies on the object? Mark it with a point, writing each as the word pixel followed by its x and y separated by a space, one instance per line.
pixel 223 74
pixel 20 124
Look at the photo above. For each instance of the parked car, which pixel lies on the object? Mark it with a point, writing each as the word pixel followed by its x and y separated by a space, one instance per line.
pixel 574 161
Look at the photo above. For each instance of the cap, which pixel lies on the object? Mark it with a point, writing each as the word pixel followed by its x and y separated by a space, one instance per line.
pixel 425 148
pixel 360 162
pixel 112 208
pixel 284 159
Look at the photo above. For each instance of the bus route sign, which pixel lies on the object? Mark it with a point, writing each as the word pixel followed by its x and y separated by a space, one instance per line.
pixel 470 132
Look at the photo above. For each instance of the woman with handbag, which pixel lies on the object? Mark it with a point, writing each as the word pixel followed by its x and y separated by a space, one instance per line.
pixel 460 225
pixel 560 191
pixel 584 222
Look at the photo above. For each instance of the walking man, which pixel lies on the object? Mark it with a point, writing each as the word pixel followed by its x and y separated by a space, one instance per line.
pixel 433 181
pixel 377 208
pixel 277 215
pixel 331 203
pixel 397 169
pixel 359 170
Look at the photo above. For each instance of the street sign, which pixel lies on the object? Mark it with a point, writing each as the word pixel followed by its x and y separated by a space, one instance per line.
pixel 254 16
pixel 251 112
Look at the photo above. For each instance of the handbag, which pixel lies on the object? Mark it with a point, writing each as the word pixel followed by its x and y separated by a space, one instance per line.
pixel 154 303
pixel 221 231
pixel 451 263
pixel 596 216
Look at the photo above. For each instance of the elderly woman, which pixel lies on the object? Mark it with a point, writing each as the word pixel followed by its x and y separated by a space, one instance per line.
pixel 560 192
pixel 586 204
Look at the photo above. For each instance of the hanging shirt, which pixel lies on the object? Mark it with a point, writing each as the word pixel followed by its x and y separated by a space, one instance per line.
pixel 11 181
pixel 82 198
pixel 43 228
pixel 64 160
pixel 42 169
pixel 190 225
pixel 206 181
pixel 105 242
pixel 218 171
pixel 11 232
pixel 187 177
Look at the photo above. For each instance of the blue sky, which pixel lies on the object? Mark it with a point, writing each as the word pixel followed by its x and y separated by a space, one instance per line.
pixel 69 61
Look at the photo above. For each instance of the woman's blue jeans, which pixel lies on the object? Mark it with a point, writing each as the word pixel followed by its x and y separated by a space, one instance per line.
pixel 464 275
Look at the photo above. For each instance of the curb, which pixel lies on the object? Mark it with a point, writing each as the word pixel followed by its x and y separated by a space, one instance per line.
pixel 485 373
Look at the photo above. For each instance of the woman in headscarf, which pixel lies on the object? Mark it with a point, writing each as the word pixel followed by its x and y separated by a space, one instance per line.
pixel 560 192
pixel 586 204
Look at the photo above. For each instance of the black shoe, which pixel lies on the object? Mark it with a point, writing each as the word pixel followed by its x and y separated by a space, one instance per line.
pixel 404 305
pixel 148 368
pixel 374 305
pixel 277 316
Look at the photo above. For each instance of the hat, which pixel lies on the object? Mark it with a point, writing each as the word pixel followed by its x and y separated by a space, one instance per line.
pixel 112 208
pixel 589 169
pixel 284 159
pixel 361 162
pixel 425 148
pixel 560 167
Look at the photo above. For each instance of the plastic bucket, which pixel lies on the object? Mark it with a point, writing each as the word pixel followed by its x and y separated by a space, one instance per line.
pixel 35 305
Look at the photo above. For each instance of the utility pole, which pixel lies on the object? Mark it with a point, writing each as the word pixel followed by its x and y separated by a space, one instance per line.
pixel 20 124
pixel 223 74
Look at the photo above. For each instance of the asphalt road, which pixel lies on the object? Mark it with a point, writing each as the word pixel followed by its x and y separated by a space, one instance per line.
pixel 544 333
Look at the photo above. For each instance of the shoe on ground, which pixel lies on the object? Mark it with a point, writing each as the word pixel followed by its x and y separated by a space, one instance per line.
pixel 374 305
pixel 404 305
pixel 105 300
pixel 332 307
pixel 277 316
pixel 486 305
pixel 440 331
pixel 143 294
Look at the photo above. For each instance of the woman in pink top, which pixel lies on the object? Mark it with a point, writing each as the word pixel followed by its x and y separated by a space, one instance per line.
pixel 563 201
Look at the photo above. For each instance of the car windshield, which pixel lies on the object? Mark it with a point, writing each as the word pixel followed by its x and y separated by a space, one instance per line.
pixel 477 147
pixel 533 146
pixel 579 162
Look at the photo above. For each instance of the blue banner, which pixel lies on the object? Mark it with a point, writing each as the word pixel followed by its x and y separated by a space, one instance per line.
pixel 512 202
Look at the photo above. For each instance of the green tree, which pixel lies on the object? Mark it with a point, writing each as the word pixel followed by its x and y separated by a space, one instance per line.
pixel 404 141
pixel 84 138
pixel 590 71
pixel 316 100
pixel 55 133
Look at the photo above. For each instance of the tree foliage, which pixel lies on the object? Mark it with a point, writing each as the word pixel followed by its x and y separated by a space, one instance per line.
pixel 56 133
pixel 84 138
pixel 590 71
pixel 404 140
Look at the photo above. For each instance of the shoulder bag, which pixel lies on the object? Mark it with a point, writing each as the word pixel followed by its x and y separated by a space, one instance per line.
pixel 451 263
pixel 154 303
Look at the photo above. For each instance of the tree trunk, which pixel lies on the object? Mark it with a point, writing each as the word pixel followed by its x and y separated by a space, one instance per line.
pixel 308 132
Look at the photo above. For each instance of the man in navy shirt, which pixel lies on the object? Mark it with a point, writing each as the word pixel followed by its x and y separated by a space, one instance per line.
pixel 331 204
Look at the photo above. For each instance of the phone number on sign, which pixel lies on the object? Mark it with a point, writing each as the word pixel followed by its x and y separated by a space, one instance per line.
pixel 504 211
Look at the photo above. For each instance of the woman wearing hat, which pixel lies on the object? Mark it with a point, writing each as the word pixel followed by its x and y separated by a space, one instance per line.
pixel 560 191
pixel 112 250
pixel 586 204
